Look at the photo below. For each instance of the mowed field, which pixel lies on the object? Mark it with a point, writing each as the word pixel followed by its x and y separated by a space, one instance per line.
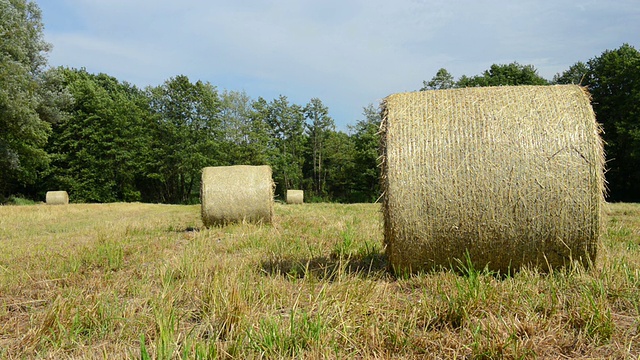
pixel 148 281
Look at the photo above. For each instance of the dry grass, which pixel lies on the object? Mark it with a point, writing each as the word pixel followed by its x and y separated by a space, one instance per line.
pixel 508 176
pixel 149 281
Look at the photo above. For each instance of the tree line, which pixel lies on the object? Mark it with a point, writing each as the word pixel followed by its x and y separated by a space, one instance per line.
pixel 112 141
pixel 105 140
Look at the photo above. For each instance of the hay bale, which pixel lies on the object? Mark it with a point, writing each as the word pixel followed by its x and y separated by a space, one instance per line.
pixel 57 198
pixel 236 194
pixel 511 176
pixel 295 196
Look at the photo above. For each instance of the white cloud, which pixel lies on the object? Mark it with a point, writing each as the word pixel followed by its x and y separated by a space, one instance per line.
pixel 348 53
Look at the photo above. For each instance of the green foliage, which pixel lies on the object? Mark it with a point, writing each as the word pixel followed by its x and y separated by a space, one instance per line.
pixel 340 166
pixel 319 127
pixel 286 135
pixel 613 79
pixel 442 80
pixel 244 136
pixel 114 142
pixel 504 74
pixel 187 137
pixel 100 149
pixel 259 141
pixel 18 200
pixel 23 133
pixel 497 75
pixel 576 74
pixel 366 186
pixel 614 83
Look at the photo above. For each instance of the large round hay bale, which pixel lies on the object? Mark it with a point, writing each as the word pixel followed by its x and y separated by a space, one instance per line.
pixel 508 176
pixel 236 194
pixel 295 196
pixel 57 198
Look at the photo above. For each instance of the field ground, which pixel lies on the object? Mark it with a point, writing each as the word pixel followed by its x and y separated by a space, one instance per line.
pixel 147 281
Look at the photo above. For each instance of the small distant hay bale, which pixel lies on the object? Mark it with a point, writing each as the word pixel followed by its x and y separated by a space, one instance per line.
pixel 57 198
pixel 239 193
pixel 506 176
pixel 295 196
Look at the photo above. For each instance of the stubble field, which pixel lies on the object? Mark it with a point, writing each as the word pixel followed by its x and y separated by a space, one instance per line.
pixel 148 281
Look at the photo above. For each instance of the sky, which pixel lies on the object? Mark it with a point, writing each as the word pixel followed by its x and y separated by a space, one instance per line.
pixel 347 53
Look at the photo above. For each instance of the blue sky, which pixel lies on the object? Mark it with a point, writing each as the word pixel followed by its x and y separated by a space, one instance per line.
pixel 348 53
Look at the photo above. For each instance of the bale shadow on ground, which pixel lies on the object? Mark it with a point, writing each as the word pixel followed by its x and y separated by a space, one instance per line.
pixel 328 268
pixel 185 229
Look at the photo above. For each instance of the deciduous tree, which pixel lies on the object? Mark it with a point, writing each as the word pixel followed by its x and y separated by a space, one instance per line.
pixel 366 187
pixel 23 133
pixel 101 149
pixel 319 127
pixel 187 137
pixel 442 80
pixel 286 131
pixel 614 82
pixel 576 74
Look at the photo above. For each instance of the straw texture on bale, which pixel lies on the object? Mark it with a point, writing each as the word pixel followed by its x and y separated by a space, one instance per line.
pixel 57 198
pixel 295 196
pixel 508 176
pixel 236 194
